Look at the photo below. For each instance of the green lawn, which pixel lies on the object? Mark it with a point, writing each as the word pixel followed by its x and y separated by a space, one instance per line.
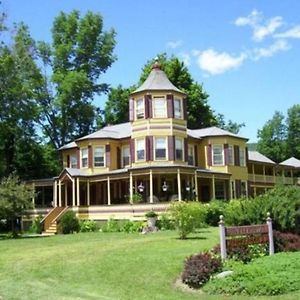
pixel 102 266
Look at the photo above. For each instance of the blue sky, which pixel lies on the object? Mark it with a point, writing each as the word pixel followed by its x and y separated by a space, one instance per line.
pixel 246 53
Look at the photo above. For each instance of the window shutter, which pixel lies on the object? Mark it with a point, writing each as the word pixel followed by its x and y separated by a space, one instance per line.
pixel 238 188
pixel 149 148
pixel 226 154
pixel 132 150
pixel 208 155
pixel 148 106
pixel 247 156
pixel 171 147
pixel 170 106
pixel 184 108
pixel 68 161
pixel 185 149
pixel 118 158
pixel 90 156
pixel 78 158
pixel 131 110
pixel 107 155
pixel 196 155
pixel 236 155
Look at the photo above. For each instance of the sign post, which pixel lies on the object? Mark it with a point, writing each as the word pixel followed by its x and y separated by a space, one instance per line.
pixel 222 238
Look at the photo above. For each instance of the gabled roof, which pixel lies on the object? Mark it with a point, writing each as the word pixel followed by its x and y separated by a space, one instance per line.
pixel 68 146
pixel 211 131
pixel 157 81
pixel 293 162
pixel 258 157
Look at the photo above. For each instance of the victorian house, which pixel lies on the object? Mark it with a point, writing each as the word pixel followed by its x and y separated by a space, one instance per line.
pixel 154 158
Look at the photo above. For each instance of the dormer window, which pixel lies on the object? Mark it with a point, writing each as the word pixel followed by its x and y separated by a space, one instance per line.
pixel 159 107
pixel 139 109
pixel 178 108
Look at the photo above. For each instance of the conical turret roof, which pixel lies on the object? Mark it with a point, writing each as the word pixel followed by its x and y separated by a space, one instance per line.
pixel 157 81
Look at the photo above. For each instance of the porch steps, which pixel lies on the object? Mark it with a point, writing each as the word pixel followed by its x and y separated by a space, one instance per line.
pixel 50 220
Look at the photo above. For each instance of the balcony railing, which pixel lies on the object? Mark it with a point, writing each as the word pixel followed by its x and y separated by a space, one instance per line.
pixel 273 179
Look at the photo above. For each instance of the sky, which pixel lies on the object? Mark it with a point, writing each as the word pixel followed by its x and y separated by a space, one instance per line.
pixel 245 53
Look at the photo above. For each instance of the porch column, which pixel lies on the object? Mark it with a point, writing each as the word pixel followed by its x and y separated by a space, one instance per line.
pixel 230 189
pixel 264 173
pixel 213 188
pixel 55 193
pixel 108 191
pixel 78 191
pixel 59 193
pixel 66 194
pixel 130 187
pixel 33 197
pixel 88 193
pixel 73 192
pixel 274 175
pixel 151 187
pixel 196 187
pixel 179 185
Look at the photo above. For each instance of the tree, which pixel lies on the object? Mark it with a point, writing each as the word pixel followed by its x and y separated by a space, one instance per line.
pixel 20 80
pixel 272 138
pixel 80 53
pixel 230 126
pixel 15 199
pixel 293 131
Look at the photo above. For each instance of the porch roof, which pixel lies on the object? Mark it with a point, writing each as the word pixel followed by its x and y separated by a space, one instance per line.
pixel 291 162
pixel 258 157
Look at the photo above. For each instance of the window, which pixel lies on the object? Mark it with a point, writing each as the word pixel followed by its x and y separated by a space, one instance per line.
pixel 218 155
pixel 178 149
pixel 73 162
pixel 177 108
pixel 140 149
pixel 230 155
pixel 220 190
pixel 99 153
pixel 191 155
pixel 160 148
pixel 125 156
pixel 84 158
pixel 159 107
pixel 139 109
pixel 243 188
pixel 242 158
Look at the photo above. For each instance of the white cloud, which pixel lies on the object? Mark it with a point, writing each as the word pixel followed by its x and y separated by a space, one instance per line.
pixel 291 33
pixel 185 58
pixel 215 63
pixel 279 45
pixel 174 44
pixel 261 28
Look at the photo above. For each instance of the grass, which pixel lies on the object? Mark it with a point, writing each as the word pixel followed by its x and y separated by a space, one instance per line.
pixel 102 266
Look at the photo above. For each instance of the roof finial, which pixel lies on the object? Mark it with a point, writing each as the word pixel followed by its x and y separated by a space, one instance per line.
pixel 156 65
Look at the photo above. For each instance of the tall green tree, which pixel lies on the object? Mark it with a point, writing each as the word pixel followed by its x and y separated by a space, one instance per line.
pixel 293 131
pixel 272 138
pixel 80 53
pixel 20 80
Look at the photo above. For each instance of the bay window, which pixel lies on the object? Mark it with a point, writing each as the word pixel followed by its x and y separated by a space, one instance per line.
pixel 177 108
pixel 139 109
pixel 191 155
pixel 125 156
pixel 159 107
pixel 140 149
pixel 178 149
pixel 160 148
pixel 242 157
pixel 84 158
pixel 218 159
pixel 230 155
pixel 73 162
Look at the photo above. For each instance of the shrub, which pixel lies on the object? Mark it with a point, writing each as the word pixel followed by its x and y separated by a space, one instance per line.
pixel 137 198
pixel 269 275
pixel 88 226
pixel 285 242
pixel 187 217
pixel 132 226
pixel 68 223
pixel 214 209
pixel 198 269
pixel 111 225
pixel 37 226
pixel 165 222
pixel 150 214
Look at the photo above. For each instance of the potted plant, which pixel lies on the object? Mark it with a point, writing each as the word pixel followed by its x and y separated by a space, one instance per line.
pixel 151 218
